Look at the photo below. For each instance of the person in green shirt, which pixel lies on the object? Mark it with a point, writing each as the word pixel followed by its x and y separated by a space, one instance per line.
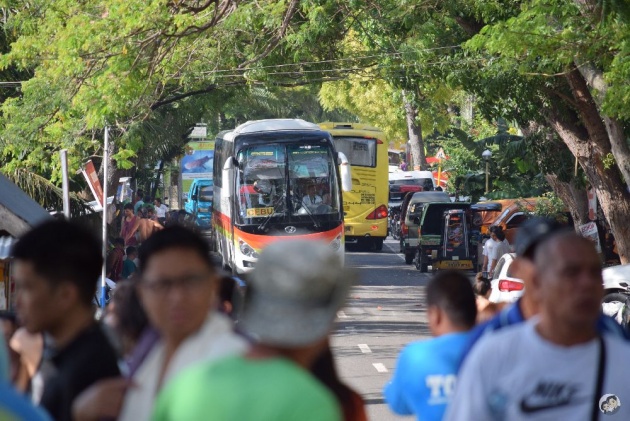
pixel 294 294
pixel 129 267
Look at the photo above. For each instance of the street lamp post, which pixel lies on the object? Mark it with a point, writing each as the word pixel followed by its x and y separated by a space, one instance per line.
pixel 486 156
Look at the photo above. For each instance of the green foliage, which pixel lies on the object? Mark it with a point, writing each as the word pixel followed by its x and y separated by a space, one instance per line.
pixel 133 64
pixel 609 161
pixel 549 206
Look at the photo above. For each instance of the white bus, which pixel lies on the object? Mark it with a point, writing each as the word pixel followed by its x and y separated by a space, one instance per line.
pixel 275 180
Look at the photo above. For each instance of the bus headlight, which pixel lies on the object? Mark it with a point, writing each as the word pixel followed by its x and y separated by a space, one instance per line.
pixel 247 250
pixel 336 243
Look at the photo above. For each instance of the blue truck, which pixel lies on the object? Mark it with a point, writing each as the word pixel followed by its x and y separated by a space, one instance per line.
pixel 199 201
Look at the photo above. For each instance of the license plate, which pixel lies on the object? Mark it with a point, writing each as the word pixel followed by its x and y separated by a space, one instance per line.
pixel 455 264
pixel 255 212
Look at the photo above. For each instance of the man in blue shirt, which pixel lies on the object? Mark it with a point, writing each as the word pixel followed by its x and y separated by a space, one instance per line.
pixel 531 234
pixel 425 376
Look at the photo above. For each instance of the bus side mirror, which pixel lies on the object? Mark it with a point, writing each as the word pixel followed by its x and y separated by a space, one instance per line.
pixel 228 177
pixel 344 169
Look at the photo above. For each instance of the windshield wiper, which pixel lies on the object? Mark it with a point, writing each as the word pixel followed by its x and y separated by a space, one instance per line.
pixel 263 224
pixel 310 214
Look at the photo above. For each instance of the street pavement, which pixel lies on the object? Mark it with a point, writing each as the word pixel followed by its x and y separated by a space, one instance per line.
pixel 386 310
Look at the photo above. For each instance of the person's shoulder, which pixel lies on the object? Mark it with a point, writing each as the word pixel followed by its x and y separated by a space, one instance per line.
pixel 302 384
pixel 422 352
pixel 617 342
pixel 90 346
pixel 418 350
pixel 500 335
pixel 608 326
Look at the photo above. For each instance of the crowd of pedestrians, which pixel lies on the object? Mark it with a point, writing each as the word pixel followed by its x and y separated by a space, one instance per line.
pixel 552 355
pixel 166 348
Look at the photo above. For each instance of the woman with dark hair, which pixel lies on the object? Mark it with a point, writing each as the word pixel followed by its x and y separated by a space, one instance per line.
pixel 350 401
pixel 125 315
pixel 485 309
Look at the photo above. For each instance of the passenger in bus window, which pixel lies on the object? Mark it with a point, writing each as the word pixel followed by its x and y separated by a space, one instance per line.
pixel 266 192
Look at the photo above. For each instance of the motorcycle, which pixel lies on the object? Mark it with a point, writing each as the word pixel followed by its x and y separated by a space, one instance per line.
pixel 616 291
pixel 394 222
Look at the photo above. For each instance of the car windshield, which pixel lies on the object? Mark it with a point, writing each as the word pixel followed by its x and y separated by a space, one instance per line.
pixel 286 180
pixel 426 183
pixel 206 193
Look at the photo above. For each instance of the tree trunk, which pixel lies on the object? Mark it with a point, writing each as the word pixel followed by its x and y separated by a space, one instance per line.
pixel 619 147
pixel 173 188
pixel 613 197
pixel 415 134
pixel 572 196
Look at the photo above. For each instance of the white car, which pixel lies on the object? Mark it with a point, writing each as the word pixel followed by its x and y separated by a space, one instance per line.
pixel 616 289
pixel 505 287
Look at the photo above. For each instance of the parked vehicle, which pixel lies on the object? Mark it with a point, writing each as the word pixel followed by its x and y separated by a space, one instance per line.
pixel 493 210
pixel 393 222
pixel 616 288
pixel 397 194
pixel 412 208
pixel 428 226
pixel 456 249
pixel 199 199
pixel 423 179
pixel 513 216
pixel 365 208
pixel 505 287
pixel 437 229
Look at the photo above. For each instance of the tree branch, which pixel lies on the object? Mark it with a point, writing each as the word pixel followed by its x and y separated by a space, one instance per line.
pixel 273 43
pixel 184 95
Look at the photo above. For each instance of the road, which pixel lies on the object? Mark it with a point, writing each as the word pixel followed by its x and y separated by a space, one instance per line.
pixel 385 311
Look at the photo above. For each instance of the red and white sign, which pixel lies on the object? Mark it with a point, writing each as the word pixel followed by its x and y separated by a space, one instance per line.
pixel 443 178
pixel 89 172
pixel 592 204
pixel 590 231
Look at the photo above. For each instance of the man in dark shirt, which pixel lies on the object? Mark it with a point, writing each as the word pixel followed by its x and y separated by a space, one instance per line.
pixel 57 266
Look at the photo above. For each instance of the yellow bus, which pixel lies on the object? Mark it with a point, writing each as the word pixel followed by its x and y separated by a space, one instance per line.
pixel 365 207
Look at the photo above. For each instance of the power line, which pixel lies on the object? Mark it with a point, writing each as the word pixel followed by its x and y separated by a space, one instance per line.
pixel 303 63
pixel 342 70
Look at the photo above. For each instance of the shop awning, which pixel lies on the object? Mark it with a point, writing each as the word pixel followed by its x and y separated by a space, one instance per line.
pixel 5 247
pixel 18 211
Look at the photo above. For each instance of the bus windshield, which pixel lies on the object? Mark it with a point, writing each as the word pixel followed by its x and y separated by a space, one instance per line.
pixel 286 180
pixel 361 152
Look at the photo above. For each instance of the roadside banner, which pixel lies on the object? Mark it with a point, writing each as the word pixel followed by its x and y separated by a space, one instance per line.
pixel 589 231
pixel 91 176
pixel 197 162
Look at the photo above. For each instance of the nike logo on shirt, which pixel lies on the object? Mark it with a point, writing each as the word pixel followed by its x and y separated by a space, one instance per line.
pixel 531 408
pixel 549 395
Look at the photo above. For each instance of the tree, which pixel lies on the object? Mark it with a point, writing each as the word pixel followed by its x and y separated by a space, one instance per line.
pixel 545 41
pixel 130 64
